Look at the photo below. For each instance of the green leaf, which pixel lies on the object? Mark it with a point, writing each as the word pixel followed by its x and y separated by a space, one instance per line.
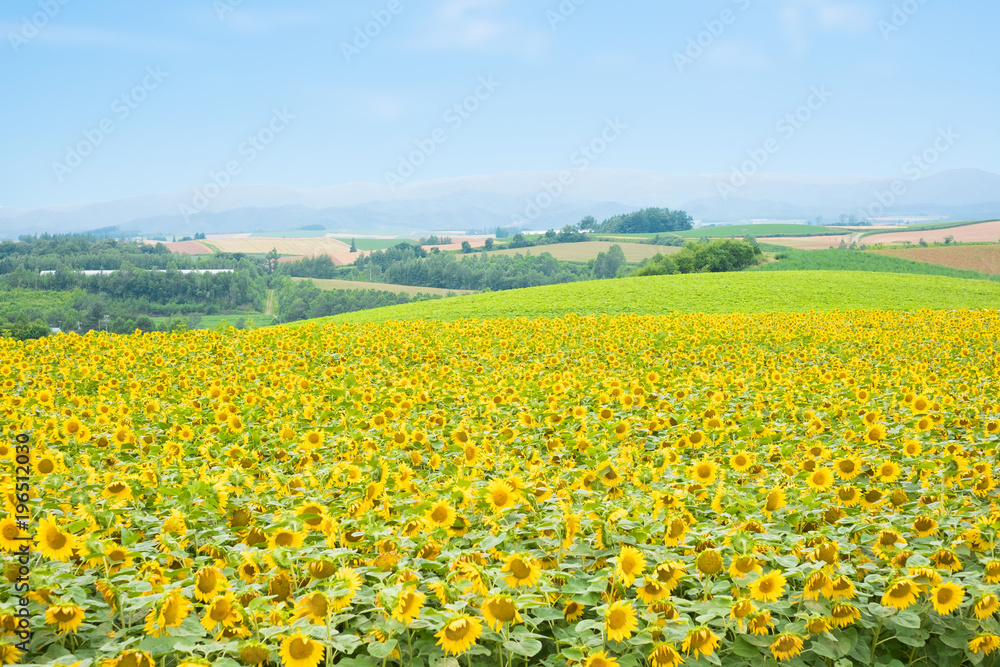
pixel 906 619
pixel 526 646
pixel 547 614
pixel 382 650
pixel 745 649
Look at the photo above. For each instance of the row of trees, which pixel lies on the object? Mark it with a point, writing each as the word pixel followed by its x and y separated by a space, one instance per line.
pixel 715 256
pixel 300 300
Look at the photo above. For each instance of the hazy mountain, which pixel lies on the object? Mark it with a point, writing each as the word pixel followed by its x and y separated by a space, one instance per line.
pixel 538 199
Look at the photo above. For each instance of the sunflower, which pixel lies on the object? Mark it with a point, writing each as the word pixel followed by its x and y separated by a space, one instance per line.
pixel 408 605
pixel 986 606
pixel 674 533
pixel 498 610
pixel 947 597
pixel 848 496
pixel 441 514
pixel 285 537
pixel 133 659
pixel 700 641
pixel 819 479
pixel 775 500
pixel 984 643
pixel 600 659
pixel 843 615
pixel 630 565
pixel 9 534
pixel 743 566
pixel 298 650
pixel 742 461
pixel 651 591
pixel 875 434
pixel 619 621
pixel 669 574
pixel 817 625
pixel 709 562
pixel 315 606
pixel 925 526
pixel 769 587
pixel 816 585
pixel 573 611
pixel 740 610
pixel 665 655
pixel 992 572
pixel 254 653
pixel 887 472
pixel 209 582
pixel 522 570
pixel 703 472
pixel 66 617
pixel 500 495
pixel 900 594
pixel 174 608
pixel 221 611
pixel 786 646
pixel 348 583
pixel 459 634
pixel 842 588
pixel 53 542
pixel 888 543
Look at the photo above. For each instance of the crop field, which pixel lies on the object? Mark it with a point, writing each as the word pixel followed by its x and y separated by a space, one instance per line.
pixel 746 292
pixel 299 247
pixel 384 287
pixel 988 232
pixel 290 234
pixel 588 250
pixel 881 261
pixel 762 230
pixel 814 488
pixel 809 242
pixel 373 244
pixel 982 258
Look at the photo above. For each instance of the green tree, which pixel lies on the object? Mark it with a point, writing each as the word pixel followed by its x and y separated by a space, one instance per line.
pixel 271 261
pixel 489 244
pixel 354 247
pixel 466 247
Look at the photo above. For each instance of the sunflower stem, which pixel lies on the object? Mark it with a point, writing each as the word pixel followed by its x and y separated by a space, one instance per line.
pixel 878 631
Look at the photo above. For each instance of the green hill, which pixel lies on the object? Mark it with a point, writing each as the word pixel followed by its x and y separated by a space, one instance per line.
pixel 749 292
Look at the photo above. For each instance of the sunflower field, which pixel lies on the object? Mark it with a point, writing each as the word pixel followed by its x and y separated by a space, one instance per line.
pixel 803 489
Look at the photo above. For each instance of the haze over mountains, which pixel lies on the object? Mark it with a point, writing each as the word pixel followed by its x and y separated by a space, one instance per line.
pixel 538 200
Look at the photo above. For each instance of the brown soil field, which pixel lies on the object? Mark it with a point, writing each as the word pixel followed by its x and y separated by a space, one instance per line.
pixel 587 250
pixel 339 251
pixel 188 248
pixel 982 258
pixel 988 232
pixel 383 287
pixel 807 242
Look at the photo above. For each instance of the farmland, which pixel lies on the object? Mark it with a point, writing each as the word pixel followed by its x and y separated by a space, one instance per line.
pixel 982 258
pixel 988 232
pixel 296 246
pixel 588 250
pixel 747 292
pixel 762 230
pixel 881 261
pixel 645 489
pixel 400 289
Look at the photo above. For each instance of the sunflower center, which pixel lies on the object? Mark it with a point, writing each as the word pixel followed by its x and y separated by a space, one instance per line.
pixel 520 569
pixel 500 498
pixel 945 595
pixel 503 610
pixel 283 539
pixel 10 531
pixel 220 610
pixel 46 466
pixel 55 539
pixel 300 649
pixel 617 619
pixel 457 630
pixel 766 586
pixel 64 615
pixel 440 514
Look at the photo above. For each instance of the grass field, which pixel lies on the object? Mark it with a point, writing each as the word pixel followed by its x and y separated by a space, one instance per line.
pixel 213 321
pixel 749 292
pixel 382 287
pixel 290 234
pixel 855 260
pixel 588 250
pixel 373 244
pixel 759 231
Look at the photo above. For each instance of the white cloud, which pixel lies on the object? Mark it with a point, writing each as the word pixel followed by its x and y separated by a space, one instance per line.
pixel 801 18
pixel 85 36
pixel 479 25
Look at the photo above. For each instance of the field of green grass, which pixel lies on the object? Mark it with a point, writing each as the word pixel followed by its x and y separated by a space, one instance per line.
pixel 373 244
pixel 588 250
pixel 749 292
pixel 763 230
pixel 382 287
pixel 854 260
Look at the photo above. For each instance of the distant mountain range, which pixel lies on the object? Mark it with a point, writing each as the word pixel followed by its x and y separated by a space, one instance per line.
pixel 536 200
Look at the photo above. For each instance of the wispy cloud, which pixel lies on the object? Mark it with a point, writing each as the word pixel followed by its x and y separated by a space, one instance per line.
pixel 801 18
pixel 101 38
pixel 478 25
pixel 737 55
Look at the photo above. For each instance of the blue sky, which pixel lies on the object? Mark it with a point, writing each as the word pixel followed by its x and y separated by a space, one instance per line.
pixel 181 85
